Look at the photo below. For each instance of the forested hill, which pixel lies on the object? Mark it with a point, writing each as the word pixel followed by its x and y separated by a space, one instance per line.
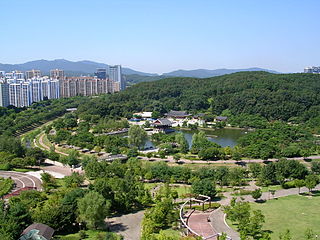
pixel 274 96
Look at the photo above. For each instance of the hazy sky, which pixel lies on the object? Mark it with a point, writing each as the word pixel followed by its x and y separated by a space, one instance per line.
pixel 164 35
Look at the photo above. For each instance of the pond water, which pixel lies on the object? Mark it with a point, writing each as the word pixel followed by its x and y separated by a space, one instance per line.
pixel 224 137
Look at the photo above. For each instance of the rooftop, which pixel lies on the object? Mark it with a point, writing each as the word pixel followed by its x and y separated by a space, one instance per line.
pixel 38 229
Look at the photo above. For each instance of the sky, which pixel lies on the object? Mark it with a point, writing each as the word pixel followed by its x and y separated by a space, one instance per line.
pixel 160 36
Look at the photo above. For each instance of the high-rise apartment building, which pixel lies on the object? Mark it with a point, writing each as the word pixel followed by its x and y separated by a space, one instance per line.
pixel 4 94
pixel 82 86
pixel 23 94
pixel 15 94
pixel 33 74
pixel 101 73
pixel 26 94
pixel 57 74
pixel 115 75
pixel 53 89
pixel 36 91
pixel 14 76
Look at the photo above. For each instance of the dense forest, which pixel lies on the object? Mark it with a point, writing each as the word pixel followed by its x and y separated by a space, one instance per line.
pixel 273 96
pixel 293 97
pixel 14 121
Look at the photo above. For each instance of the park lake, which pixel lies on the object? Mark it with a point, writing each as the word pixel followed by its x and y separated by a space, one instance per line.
pixel 224 137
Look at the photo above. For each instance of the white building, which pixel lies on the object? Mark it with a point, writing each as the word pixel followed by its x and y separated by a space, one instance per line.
pixel 23 94
pixel 36 91
pixel 115 75
pixel 14 75
pixel 33 74
pixel 26 94
pixel 4 94
pixel 15 94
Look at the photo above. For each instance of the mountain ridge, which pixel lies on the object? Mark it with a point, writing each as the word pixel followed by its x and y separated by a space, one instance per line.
pixel 74 67
pixel 87 67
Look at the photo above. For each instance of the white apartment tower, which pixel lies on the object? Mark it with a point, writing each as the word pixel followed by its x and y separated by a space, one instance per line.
pixel 4 94
pixel 115 75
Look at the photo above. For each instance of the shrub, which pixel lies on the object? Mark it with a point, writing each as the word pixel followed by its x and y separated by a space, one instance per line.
pixel 5 167
pixel 290 184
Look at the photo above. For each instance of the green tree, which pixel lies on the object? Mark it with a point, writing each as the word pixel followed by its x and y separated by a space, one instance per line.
pixel 255 169
pixel 73 181
pixel 200 141
pixel 210 153
pixel 256 194
pixel 155 114
pixel 204 187
pixel 93 209
pixel 249 222
pixel 182 142
pixel 72 159
pixel 137 136
pixel 311 181
pixel 315 167
pixel 48 181
pixel 299 183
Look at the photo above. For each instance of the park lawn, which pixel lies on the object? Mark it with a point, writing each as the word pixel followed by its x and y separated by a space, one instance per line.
pixel 296 213
pixel 149 186
pixel 24 170
pixel 272 187
pixel 91 235
pixel 172 234
pixel 181 189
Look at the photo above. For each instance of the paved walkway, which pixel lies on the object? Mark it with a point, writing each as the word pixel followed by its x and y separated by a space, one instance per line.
pixel 170 159
pixel 198 222
pixel 47 147
pixel 37 174
pixel 217 220
pixel 22 180
pixel 128 225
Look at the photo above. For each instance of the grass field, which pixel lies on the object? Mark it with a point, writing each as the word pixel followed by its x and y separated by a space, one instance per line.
pixel 24 170
pixel 272 187
pixel 296 213
pixel 91 235
pixel 182 189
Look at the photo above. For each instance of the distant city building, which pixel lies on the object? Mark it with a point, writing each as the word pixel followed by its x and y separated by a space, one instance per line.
pixel 36 91
pixel 33 74
pixel 83 86
pixel 53 89
pixel 21 90
pixel 23 94
pixel 26 94
pixel 115 75
pixel 101 73
pixel 57 74
pixel 15 94
pixel 312 70
pixel 4 94
pixel 14 76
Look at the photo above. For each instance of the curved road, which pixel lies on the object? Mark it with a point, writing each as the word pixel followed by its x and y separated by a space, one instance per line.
pixel 21 179
pixel 47 147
